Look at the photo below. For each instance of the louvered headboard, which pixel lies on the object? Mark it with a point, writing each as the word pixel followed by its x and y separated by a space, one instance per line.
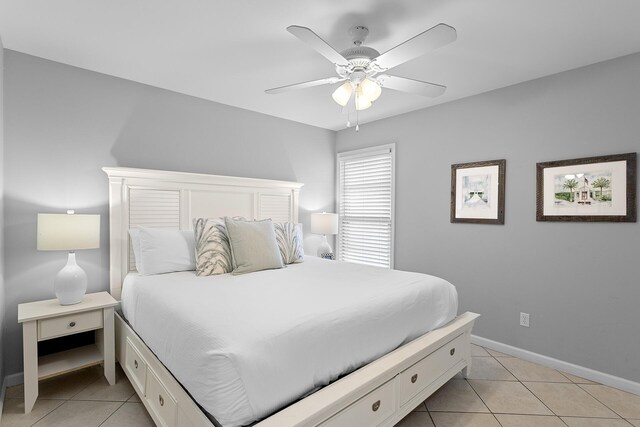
pixel 153 198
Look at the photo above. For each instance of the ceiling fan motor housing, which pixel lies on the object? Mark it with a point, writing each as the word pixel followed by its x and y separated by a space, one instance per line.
pixel 360 59
pixel 359 56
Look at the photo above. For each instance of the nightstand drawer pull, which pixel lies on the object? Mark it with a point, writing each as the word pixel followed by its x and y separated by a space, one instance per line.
pixel 414 378
pixel 375 406
pixel 452 351
pixel 161 400
pixel 72 324
pixel 135 363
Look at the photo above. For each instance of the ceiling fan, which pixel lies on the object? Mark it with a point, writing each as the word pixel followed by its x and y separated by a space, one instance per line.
pixel 363 69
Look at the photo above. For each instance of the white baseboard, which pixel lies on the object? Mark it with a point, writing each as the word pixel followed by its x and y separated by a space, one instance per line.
pixel 550 362
pixel 14 379
pixel 9 381
pixel 3 390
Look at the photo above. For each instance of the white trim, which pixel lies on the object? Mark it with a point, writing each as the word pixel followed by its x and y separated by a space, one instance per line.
pixel 3 390
pixel 366 152
pixel 197 178
pixel 14 379
pixel 369 151
pixel 9 381
pixel 561 365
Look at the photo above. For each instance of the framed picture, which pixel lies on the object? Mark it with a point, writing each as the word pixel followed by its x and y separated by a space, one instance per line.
pixel 477 192
pixel 588 190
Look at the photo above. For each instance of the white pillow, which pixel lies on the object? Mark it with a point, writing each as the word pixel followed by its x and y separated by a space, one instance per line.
pixel 163 251
pixel 135 244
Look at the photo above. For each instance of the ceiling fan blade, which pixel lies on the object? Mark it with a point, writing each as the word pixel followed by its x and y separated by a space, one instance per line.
pixel 327 81
pixel 321 46
pixel 429 40
pixel 410 85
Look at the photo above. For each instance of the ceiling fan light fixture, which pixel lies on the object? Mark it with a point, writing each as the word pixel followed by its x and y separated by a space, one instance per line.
pixel 362 102
pixel 370 89
pixel 343 94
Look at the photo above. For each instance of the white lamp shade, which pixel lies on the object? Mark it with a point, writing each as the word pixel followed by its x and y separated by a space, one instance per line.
pixel 343 94
pixel 324 223
pixel 68 232
pixel 370 89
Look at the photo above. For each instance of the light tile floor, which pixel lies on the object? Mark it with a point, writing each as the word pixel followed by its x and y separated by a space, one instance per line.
pixel 502 391
pixel 79 399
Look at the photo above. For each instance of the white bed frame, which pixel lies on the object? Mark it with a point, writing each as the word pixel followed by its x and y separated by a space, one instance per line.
pixel 380 393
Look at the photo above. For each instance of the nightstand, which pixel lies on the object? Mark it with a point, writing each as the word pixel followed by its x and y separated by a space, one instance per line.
pixel 44 320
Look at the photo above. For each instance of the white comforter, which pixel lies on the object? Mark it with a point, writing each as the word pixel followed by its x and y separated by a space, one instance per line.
pixel 246 346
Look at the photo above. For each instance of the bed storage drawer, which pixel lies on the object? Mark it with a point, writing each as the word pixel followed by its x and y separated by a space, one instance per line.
pixel 370 410
pixel 163 404
pixel 427 370
pixel 69 324
pixel 136 366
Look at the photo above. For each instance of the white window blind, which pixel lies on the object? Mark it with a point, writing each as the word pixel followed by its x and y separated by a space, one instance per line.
pixel 365 206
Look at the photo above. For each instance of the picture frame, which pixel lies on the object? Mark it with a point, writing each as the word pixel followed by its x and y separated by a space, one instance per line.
pixel 478 192
pixel 590 189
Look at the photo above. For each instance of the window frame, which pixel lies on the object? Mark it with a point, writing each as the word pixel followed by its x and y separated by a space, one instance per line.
pixel 370 152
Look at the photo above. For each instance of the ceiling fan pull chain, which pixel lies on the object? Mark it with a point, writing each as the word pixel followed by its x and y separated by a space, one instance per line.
pixel 357 115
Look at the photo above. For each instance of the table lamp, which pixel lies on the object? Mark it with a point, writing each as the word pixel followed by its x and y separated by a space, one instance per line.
pixel 324 223
pixel 69 232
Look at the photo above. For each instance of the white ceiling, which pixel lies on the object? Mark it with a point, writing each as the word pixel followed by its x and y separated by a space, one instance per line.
pixel 231 51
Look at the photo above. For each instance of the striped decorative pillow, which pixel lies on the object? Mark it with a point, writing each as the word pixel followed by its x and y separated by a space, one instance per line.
pixel 290 241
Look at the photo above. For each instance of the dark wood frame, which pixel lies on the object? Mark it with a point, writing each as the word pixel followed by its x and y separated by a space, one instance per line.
pixel 630 158
pixel 501 191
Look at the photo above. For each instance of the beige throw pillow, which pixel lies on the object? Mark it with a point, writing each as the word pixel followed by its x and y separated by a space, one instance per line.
pixel 253 245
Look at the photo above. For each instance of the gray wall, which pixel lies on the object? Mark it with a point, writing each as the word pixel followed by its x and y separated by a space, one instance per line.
pixel 578 281
pixel 63 124
pixel 2 303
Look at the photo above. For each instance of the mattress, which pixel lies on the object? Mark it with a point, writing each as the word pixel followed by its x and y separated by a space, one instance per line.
pixel 246 346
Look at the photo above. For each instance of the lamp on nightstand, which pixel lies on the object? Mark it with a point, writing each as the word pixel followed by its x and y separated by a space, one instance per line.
pixel 69 232
pixel 324 223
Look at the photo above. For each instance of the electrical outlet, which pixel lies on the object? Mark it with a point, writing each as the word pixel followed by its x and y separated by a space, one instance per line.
pixel 524 319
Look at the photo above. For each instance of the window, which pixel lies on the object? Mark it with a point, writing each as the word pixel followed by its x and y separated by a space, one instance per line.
pixel 366 205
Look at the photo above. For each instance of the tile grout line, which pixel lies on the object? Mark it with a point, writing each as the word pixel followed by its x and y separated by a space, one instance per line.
pixel 529 390
pixel 482 400
pixel 570 382
pixel 602 403
pixel 45 415
pixel 430 416
pixel 111 415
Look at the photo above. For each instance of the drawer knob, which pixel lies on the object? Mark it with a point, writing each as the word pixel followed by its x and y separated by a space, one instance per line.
pixel 135 363
pixel 161 400
pixel 452 351
pixel 72 324
pixel 414 378
pixel 375 406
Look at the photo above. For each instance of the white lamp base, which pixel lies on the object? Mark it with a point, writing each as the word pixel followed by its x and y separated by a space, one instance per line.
pixel 324 250
pixel 70 283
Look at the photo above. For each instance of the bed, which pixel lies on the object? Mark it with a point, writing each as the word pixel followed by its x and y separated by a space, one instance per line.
pixel 213 363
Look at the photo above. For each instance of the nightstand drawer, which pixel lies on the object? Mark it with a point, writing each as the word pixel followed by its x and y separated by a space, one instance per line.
pixel 136 366
pixel 69 324
pixel 162 403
